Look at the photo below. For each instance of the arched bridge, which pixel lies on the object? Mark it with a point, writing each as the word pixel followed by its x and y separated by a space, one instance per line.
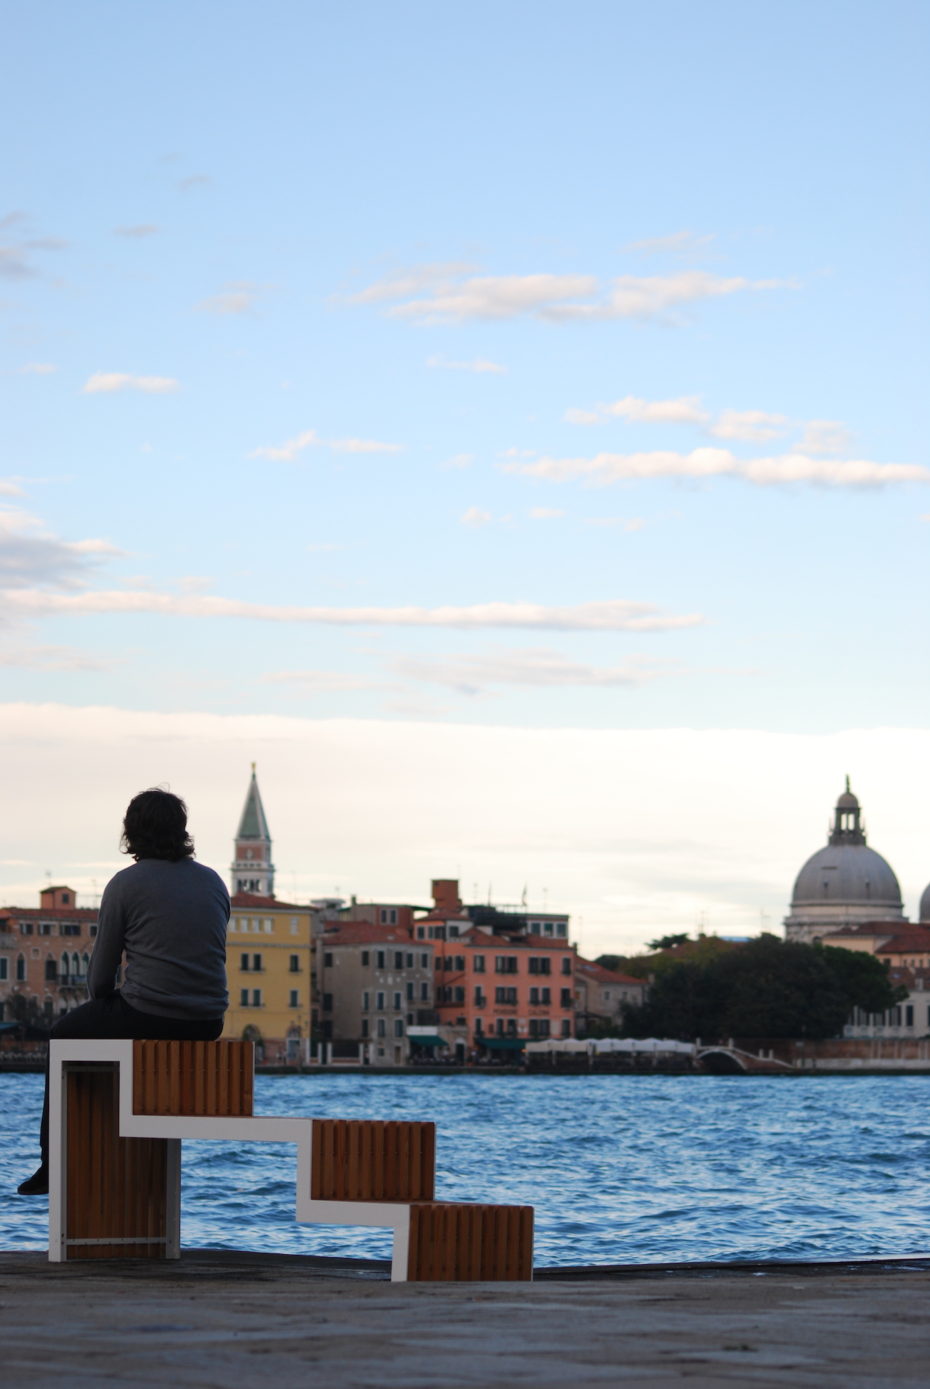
pixel 730 1060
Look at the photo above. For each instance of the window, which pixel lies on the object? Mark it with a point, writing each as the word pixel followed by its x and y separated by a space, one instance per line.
pixel 459 994
pixel 51 971
pixel 539 1027
pixel 479 1026
pixel 388 916
pixel 398 1027
pixel 566 964
pixel 421 933
pixel 379 959
pixel 561 929
pixel 409 990
pixel 477 963
pixel 409 959
pixel 505 995
pixel 25 928
pixel 566 1027
pixel 244 962
pixel 45 928
pixel 505 964
pixel 327 1003
pixel 250 963
pixel 540 964
pixel 366 958
pixel 909 1015
pixel 565 998
pixel 243 998
pixel 366 1001
pixel 20 968
pixel 256 998
pixel 453 932
pixel 294 999
pixel 511 1027
pixel 327 959
pixel 424 960
pixel 382 1028
pixel 4 967
pixel 379 1003
pixel 424 992
pixel 398 959
pixel 480 998
pixel 398 1003
pixel 364 1027
pixel 460 963
pixel 294 965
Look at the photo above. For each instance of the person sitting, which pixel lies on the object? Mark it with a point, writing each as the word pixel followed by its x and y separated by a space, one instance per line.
pixel 163 920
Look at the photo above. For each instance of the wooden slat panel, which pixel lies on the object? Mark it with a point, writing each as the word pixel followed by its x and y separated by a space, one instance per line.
pixel 116 1186
pixel 193 1078
pixel 372 1160
pixel 465 1242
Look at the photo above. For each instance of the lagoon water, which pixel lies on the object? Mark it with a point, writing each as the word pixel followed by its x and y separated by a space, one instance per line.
pixel 621 1169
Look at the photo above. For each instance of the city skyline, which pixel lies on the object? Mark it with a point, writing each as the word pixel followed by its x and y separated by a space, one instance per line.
pixel 506 424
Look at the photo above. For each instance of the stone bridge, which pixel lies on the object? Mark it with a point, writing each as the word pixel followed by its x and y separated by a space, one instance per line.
pixel 730 1060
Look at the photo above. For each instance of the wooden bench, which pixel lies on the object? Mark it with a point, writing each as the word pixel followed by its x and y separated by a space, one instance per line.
pixel 119 1111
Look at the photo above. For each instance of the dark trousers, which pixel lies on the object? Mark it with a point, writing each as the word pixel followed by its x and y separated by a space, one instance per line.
pixel 113 1017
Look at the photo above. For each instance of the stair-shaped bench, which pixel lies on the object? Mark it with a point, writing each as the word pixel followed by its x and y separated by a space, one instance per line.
pixel 119 1111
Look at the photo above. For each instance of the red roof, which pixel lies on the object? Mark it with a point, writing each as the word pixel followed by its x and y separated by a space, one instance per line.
pixel 252 899
pixel 606 976
pixel 913 942
pixel 50 913
pixel 367 933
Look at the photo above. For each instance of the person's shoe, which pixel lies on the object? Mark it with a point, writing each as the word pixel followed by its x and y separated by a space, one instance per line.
pixel 37 1184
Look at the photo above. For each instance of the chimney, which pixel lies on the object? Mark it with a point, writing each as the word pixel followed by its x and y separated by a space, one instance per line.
pixel 446 896
pixel 55 898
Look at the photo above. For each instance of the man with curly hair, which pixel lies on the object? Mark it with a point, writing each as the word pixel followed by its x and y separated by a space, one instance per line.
pixel 163 921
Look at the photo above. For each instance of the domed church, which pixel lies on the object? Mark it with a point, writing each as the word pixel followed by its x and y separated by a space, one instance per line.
pixel 846 883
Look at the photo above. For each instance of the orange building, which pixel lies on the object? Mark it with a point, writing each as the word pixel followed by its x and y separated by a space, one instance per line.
pixel 498 982
pixel 44 954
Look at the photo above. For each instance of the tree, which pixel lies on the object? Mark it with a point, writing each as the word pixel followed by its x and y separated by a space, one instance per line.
pixel 766 988
pixel 668 942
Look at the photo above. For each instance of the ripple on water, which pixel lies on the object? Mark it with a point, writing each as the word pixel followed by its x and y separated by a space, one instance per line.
pixel 620 1168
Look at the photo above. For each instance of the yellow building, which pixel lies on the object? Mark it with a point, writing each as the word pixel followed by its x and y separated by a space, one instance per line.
pixel 269 967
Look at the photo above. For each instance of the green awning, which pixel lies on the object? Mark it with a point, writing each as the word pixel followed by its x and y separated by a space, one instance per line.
pixel 502 1043
pixel 421 1040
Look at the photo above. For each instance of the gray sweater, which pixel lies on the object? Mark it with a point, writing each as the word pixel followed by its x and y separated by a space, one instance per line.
pixel 169 920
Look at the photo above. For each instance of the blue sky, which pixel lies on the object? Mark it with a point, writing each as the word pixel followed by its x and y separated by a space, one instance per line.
pixel 524 366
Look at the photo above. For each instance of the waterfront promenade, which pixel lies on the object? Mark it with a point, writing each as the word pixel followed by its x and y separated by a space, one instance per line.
pixel 224 1318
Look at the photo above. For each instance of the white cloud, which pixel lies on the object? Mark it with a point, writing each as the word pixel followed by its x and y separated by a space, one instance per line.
pixel 685 409
pixel 605 468
pixel 545 805
pixel 438 276
pixel 480 365
pixel 459 298
pixel 474 516
pixel 38 369
pixel 681 243
pixel 30 555
pixel 14 264
pixel 289 450
pixel 361 446
pixel 545 513
pixel 605 615
pixel 108 381
pixel 236 298
pixel 62 658
pixel 9 488
pixel 140 229
pixel 470 674
pixel 458 460
pixel 751 425
pixel 825 436
pixel 321 681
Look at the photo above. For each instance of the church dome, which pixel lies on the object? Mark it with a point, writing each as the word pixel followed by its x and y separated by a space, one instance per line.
pixel 924 914
pixel 845 883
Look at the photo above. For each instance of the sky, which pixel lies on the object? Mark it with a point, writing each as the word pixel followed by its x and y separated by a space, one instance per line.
pixel 506 423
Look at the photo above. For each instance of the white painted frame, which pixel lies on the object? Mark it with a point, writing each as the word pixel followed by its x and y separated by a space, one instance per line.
pixel 390 1215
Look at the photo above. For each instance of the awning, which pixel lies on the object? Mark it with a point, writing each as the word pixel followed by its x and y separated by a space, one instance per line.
pixel 427 1039
pixel 501 1043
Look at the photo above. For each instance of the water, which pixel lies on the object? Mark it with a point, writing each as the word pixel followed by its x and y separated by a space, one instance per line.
pixel 621 1169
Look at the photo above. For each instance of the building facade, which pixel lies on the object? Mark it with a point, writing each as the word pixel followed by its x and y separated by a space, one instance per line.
pixel 374 993
pixel 603 997
pixel 252 869
pixel 44 954
pixel 269 967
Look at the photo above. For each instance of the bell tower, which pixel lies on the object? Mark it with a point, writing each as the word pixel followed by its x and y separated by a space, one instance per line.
pixel 252 869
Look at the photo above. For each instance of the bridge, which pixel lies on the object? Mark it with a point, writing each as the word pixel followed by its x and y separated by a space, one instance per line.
pixel 731 1060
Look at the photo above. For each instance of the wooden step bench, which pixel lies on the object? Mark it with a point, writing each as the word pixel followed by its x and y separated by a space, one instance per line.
pixel 119 1111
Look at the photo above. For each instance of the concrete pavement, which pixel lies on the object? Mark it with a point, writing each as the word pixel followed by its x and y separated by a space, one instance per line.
pixel 228 1319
